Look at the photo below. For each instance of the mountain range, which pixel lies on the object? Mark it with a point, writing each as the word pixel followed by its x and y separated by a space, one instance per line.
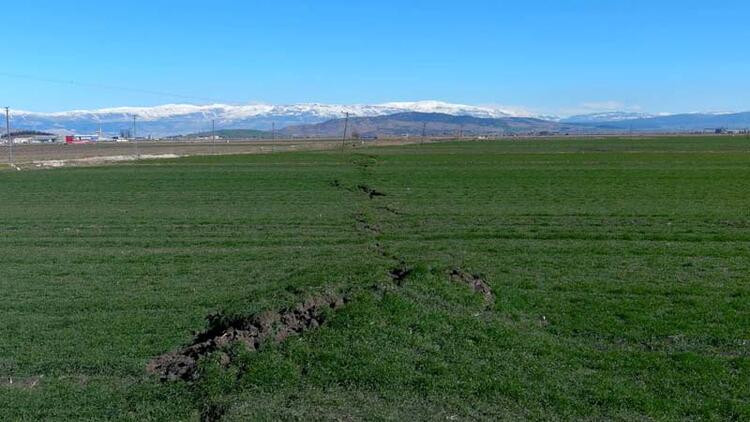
pixel 174 119
pixel 671 123
pixel 607 116
pixel 386 119
pixel 431 124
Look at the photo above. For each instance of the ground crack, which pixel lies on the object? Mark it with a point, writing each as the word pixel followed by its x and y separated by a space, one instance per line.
pixel 251 332
pixel 365 225
pixel 390 209
pixel 474 281
pixel 371 192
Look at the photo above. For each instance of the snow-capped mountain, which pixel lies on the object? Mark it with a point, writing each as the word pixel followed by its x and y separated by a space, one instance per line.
pixel 185 118
pixel 175 119
pixel 609 116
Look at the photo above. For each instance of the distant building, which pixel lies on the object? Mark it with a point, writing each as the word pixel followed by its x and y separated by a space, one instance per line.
pixel 32 137
pixel 36 139
pixel 81 139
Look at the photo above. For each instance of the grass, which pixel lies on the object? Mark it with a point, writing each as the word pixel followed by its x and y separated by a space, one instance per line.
pixel 619 269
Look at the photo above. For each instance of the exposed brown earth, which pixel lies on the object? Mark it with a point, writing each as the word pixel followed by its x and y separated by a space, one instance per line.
pixel 31 156
pixel 251 332
pixel 475 282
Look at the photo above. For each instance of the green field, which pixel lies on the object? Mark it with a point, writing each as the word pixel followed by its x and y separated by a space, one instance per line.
pixel 619 268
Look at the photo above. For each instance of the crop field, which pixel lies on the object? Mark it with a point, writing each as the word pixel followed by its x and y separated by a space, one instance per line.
pixel 577 279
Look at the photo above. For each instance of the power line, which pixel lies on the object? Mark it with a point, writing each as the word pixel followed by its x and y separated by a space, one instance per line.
pixel 7 132
pixel 135 139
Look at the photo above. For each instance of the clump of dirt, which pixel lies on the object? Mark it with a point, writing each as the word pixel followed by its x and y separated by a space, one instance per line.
pixel 474 281
pixel 400 273
pixel 251 332
pixel 371 192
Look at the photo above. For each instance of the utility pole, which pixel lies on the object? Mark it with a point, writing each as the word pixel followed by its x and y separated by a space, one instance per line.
pixel 346 126
pixel 135 140
pixel 424 131
pixel 7 133
pixel 213 136
pixel 273 131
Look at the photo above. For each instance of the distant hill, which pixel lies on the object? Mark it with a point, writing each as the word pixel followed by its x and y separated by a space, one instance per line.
pixel 681 122
pixel 433 124
pixel 667 123
pixel 230 134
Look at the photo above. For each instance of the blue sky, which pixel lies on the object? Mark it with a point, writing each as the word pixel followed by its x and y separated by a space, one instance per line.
pixel 544 56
